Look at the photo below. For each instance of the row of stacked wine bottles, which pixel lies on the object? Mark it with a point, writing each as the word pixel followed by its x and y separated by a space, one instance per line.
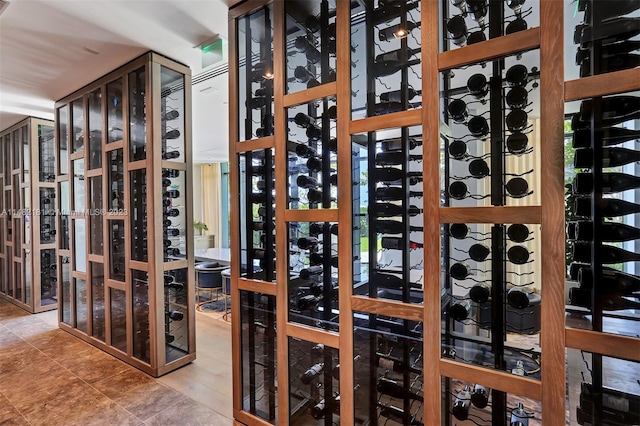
pixel 602 211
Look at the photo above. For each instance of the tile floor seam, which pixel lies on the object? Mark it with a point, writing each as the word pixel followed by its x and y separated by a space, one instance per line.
pixel 15 408
pixel 196 401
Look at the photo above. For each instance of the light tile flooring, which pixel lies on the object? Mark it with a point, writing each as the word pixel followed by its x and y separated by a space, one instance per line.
pixel 48 377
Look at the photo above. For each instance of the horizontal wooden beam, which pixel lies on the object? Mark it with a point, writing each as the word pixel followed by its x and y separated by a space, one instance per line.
pixel 412 117
pixel 612 345
pixel 257 286
pixel 313 215
pixel 492 379
pixel 314 335
pixel 255 144
pixel 388 307
pixel 490 49
pixel 491 214
pixel 243 418
pixel 306 96
pixel 602 84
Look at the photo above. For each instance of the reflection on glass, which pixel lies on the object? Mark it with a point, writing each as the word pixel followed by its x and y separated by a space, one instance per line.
pixel 46 152
pixel 47 216
pixel 81 304
pixel 17 278
pixel 114 111
pixel 138 215
pixel 116 180
pixel 65 302
pixel 63 139
pixel 77 134
pixel 95 218
pixel 27 276
pixel 97 303
pixel 137 115
pixel 16 147
pixel 79 245
pixel 172 110
pixel 176 305
pixel 118 311
pixel 48 277
pixel 65 208
pixel 78 185
pixel 95 129
pixel 141 342
pixel 26 154
pixel 257 315
pixel 116 244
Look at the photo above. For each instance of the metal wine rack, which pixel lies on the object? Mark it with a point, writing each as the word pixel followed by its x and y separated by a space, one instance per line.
pixel 367 246
pixel 28 218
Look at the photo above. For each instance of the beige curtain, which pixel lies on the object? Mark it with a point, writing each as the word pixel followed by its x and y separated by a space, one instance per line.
pixel 212 201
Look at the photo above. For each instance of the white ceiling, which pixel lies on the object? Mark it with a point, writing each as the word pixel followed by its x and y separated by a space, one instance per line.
pixel 50 48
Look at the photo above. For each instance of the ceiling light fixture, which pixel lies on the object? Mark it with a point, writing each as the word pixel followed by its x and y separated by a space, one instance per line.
pixel 400 33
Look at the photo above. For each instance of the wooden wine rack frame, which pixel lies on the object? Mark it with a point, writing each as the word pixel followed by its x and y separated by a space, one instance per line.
pixel 30 263
pixel 153 164
pixel 554 338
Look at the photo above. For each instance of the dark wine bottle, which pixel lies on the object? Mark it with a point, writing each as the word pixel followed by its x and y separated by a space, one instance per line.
pixel 172 232
pixel 304 120
pixel 479 168
pixel 479 252
pixel 315 196
pixel 611 183
pixel 394 193
pixel 459 271
pixel 170 174
pixel 390 210
pixel 396 55
pixel 518 233
pixel 307 243
pixel 396 243
pixel 609 254
pixel 457 29
pixel 303 44
pixel 313 372
pixel 608 10
pixel 611 232
pixel 517 143
pixel 613 106
pixel 395 364
pixel 318 259
pixel 460 310
pixel 396 390
pixel 314 164
pixel 319 410
pixel 480 396
pixel 309 302
pixel 609 207
pixel 387 68
pixel 462 403
pixel 612 281
pixel 173 193
pixel 336 370
pixel 609 302
pixel 387 12
pixel 608 136
pixel 172 213
pixel 397 31
pixel 310 272
pixel 397 144
pixel 394 158
pixel 605 120
pixel 304 181
pixel 390 281
pixel 457 149
pixel 175 315
pixel 172 134
pixel 458 110
pixel 171 115
pixel 517 298
pixel 518 255
pixel 609 51
pixel 517 75
pixel 478 86
pixel 478 126
pixel 390 174
pixel 478 10
pixel 609 31
pixel 517 187
pixel 620 62
pixel 517 120
pixel 611 398
pixel 396 95
pixel 517 97
pixel 301 150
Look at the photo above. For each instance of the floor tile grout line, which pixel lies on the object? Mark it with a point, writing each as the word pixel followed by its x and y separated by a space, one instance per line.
pixel 15 408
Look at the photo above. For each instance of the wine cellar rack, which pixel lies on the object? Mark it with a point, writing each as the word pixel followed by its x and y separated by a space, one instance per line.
pixel 125 244
pixel 399 244
pixel 603 116
pixel 27 218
